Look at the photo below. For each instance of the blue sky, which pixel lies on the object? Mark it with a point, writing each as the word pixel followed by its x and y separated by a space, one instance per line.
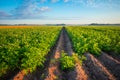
pixel 59 11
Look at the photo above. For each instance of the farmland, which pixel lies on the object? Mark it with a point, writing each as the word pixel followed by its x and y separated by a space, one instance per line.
pixel 60 53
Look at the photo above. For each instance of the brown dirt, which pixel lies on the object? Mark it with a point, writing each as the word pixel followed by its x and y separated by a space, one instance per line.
pixel 95 69
pixel 116 56
pixel 53 71
pixel 19 76
pixel 77 74
pixel 111 64
pixel 10 74
pixel 67 43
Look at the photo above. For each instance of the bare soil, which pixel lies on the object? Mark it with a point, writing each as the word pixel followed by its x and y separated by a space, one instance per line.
pixel 53 71
pixel 19 76
pixel 116 56
pixel 95 69
pixel 9 74
pixel 111 64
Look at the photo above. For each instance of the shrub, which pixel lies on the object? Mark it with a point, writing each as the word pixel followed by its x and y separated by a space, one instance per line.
pixel 67 62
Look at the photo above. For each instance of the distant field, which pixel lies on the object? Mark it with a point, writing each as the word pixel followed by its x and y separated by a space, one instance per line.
pixel 25 26
pixel 15 26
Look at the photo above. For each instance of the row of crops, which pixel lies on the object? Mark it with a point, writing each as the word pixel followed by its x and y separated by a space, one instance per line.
pixel 25 48
pixel 95 39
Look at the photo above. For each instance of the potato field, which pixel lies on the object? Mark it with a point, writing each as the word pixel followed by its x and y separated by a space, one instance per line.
pixel 59 53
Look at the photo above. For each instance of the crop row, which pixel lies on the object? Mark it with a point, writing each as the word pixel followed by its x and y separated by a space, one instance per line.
pixel 25 48
pixel 95 39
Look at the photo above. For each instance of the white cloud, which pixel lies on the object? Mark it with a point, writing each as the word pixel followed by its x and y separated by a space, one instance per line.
pixel 45 8
pixel 97 3
pixel 4 15
pixel 27 10
pixel 42 1
pixel 66 0
pixel 54 1
pixel 91 3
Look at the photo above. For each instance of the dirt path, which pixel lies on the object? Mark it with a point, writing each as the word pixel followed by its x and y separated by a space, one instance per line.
pixel 78 73
pixel 111 64
pixel 53 71
pixel 67 44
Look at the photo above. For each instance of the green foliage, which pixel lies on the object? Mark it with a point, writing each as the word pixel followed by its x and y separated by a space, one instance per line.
pixel 79 58
pixel 25 48
pixel 67 62
pixel 117 48
pixel 95 39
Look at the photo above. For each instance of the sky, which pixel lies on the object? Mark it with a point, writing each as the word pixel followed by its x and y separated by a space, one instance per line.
pixel 59 11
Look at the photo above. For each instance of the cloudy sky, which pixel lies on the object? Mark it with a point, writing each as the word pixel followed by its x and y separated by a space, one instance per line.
pixel 59 11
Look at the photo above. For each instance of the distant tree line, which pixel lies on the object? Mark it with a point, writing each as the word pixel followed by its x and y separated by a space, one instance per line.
pixel 104 24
